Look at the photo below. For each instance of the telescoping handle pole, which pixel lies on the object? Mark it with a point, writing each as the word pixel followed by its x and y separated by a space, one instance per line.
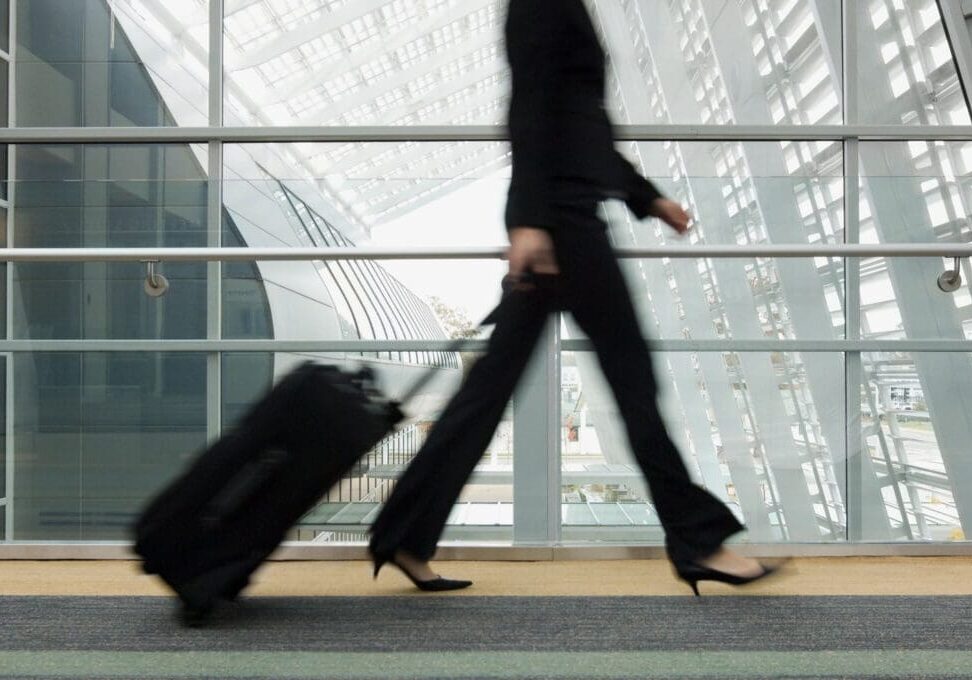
pixel 454 346
pixel 548 284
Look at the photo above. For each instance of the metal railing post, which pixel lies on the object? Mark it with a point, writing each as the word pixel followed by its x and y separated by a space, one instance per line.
pixel 214 231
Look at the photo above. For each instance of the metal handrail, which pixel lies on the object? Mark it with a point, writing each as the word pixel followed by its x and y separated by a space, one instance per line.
pixel 471 133
pixel 943 250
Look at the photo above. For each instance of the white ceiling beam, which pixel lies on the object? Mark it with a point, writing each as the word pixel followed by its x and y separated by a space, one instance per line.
pixel 231 7
pixel 398 112
pixel 333 111
pixel 304 33
pixel 403 203
pixel 359 57
pixel 417 161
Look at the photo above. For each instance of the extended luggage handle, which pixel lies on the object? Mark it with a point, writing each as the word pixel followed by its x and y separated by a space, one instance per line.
pixel 527 281
pixel 430 373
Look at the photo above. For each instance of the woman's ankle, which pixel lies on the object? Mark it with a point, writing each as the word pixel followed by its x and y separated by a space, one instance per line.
pixel 731 562
pixel 417 567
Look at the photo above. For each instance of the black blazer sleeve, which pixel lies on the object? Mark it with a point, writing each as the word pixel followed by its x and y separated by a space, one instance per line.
pixel 638 192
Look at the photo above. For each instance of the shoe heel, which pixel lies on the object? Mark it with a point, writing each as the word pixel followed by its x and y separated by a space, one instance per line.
pixel 695 588
pixel 378 565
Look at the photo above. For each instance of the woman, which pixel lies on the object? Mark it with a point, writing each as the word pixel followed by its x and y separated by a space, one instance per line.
pixel 564 165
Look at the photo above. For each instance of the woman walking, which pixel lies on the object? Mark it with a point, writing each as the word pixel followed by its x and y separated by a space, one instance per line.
pixel 560 258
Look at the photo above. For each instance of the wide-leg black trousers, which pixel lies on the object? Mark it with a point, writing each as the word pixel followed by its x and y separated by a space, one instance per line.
pixel 593 289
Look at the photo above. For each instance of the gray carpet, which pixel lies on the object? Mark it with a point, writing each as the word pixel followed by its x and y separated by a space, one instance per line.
pixel 491 637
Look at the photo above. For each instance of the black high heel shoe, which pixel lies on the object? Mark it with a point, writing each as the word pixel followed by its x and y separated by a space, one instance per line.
pixel 436 584
pixel 693 572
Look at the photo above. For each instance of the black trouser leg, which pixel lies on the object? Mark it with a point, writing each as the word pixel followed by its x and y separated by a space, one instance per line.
pixel 415 515
pixel 696 523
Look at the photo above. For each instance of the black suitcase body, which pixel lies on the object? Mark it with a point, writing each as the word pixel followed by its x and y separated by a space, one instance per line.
pixel 214 525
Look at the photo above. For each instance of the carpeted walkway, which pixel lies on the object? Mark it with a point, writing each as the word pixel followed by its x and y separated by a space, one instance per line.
pixel 492 637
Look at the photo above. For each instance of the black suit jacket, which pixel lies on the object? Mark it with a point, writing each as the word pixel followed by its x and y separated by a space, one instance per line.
pixel 561 136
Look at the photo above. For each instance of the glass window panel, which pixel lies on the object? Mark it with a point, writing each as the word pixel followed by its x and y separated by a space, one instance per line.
pixel 764 432
pixel 915 416
pixel 3 430
pixel 906 71
pixel 98 434
pixel 4 92
pixel 740 62
pixel 110 196
pixel 3 275
pixel 915 192
pixel 246 307
pixel 5 25
pixel 92 63
pixel 246 377
pixel 4 119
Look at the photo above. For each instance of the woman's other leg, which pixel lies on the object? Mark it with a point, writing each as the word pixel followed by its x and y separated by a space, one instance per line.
pixel 696 523
pixel 415 514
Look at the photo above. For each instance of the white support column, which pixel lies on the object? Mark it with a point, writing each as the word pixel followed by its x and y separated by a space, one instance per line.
pixel 214 270
pixel 536 445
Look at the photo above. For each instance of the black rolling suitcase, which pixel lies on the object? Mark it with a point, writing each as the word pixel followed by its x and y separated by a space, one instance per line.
pixel 213 526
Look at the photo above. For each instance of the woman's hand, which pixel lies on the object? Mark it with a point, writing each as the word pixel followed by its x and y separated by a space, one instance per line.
pixel 531 250
pixel 672 214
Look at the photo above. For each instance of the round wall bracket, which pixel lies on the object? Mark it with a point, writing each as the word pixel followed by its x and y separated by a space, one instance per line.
pixel 155 285
pixel 951 279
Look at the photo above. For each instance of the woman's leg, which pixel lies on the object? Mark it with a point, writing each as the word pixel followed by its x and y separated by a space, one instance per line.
pixel 413 518
pixel 696 523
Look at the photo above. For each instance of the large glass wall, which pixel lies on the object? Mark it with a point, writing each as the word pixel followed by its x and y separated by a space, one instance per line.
pixel 825 399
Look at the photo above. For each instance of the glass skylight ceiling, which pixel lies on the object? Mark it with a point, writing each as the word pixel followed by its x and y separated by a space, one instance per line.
pixel 370 62
pixel 440 62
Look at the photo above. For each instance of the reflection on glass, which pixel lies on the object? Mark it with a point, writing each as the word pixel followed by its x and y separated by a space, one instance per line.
pixel 97 434
pixel 94 63
pixel 109 196
pixel 763 432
